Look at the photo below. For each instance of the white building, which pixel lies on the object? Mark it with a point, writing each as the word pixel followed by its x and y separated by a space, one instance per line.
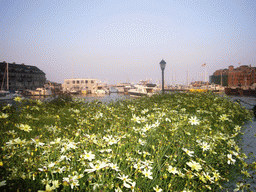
pixel 90 85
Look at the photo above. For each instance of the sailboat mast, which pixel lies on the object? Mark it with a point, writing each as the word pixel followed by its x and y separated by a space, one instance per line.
pixel 3 79
pixel 72 70
pixel 187 77
pixel 7 77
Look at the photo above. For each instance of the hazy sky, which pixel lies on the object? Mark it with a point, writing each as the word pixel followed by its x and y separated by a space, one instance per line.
pixel 124 40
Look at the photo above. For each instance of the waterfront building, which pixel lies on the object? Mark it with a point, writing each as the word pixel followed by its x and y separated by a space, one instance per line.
pixel 21 76
pixel 220 77
pixel 243 75
pixel 80 84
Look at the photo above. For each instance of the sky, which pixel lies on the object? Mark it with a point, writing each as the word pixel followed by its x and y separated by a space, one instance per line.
pixel 118 41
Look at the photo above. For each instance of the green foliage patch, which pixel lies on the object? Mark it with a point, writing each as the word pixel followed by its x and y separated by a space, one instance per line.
pixel 171 142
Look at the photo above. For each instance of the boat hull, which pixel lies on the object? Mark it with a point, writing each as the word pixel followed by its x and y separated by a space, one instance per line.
pixel 9 97
pixel 240 91
pixel 133 93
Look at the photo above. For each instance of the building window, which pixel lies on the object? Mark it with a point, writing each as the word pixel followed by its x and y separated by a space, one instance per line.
pixel 77 82
pixel 74 82
pixel 92 81
pixel 86 81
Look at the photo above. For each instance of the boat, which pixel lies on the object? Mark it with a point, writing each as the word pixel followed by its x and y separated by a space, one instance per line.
pixel 9 95
pixel 122 87
pixel 84 92
pixel 241 91
pixel 74 91
pixel 142 90
pixel 127 88
pixel 113 90
pixel 102 91
pixel 217 89
pixel 6 95
pixel 39 92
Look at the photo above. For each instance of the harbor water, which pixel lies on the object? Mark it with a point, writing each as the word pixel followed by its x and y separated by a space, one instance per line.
pixel 105 97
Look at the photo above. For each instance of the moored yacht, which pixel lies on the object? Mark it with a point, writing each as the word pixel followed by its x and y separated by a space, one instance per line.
pixel 142 90
pixel 102 91
pixel 6 95
pixel 39 92
pixel 113 90
pixel 73 91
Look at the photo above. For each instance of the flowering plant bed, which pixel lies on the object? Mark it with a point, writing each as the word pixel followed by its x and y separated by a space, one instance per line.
pixel 172 142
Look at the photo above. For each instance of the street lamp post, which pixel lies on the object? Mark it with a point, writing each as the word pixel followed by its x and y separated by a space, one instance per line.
pixel 162 65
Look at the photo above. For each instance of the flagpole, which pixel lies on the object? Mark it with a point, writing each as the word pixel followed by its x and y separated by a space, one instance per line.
pixel 187 77
pixel 205 78
pixel 205 75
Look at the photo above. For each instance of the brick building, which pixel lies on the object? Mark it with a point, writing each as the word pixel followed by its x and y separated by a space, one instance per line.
pixel 241 76
pixel 21 76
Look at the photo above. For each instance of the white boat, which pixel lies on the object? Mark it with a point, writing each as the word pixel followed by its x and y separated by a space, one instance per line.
pixel 6 95
pixel 40 92
pixel 113 90
pixel 142 90
pixel 74 91
pixel 127 88
pixel 102 91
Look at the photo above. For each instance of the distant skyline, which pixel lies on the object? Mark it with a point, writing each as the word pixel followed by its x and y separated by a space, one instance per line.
pixel 121 41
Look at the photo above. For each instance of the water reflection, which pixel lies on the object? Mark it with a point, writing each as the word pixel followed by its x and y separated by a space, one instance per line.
pixel 90 97
pixel 104 98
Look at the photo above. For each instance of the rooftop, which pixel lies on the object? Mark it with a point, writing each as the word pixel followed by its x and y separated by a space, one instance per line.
pixel 20 67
